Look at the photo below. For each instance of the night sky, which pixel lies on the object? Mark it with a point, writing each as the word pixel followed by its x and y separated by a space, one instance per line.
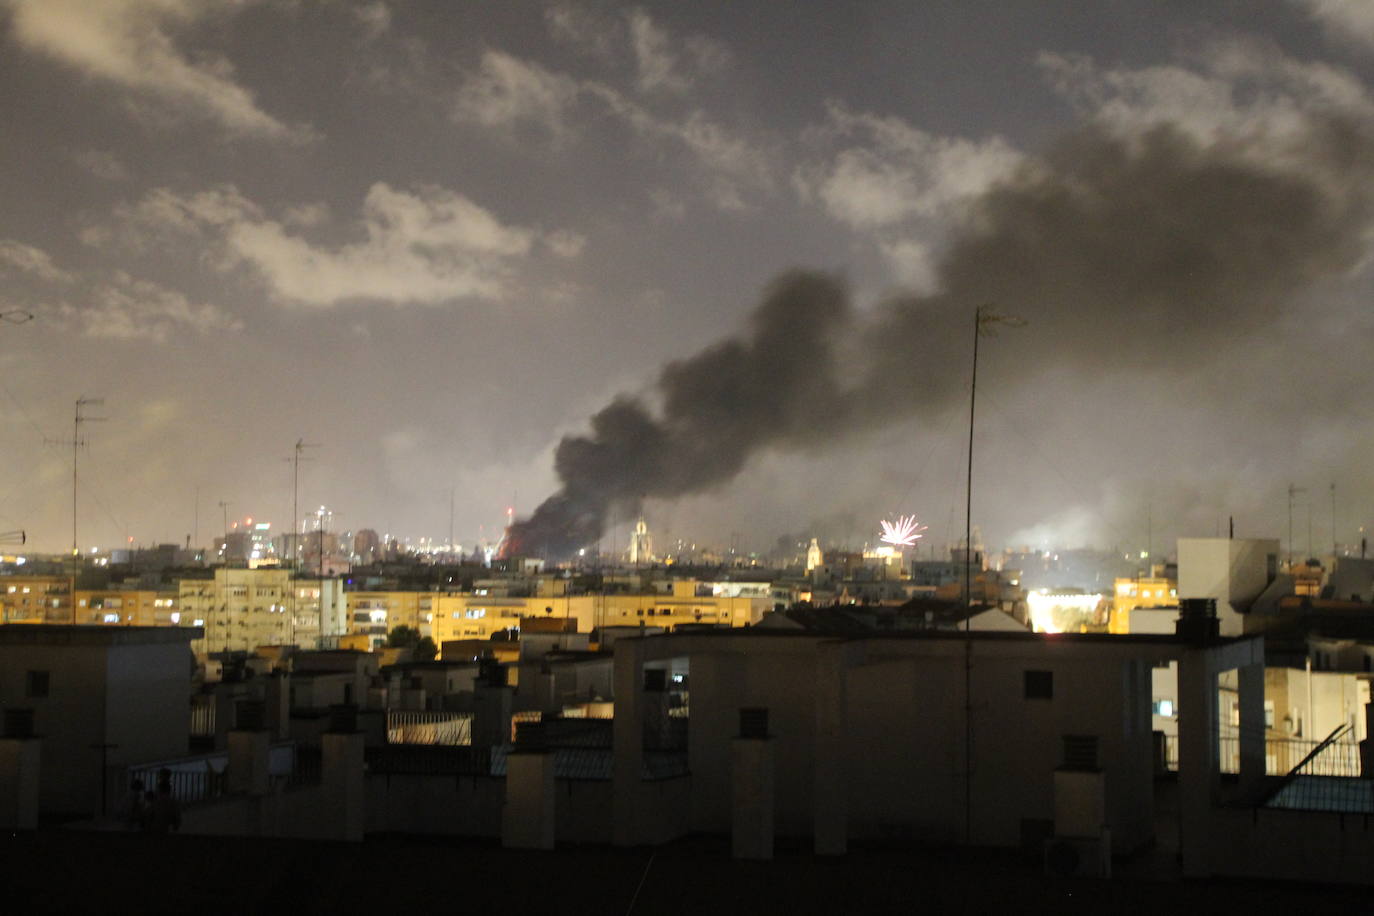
pixel 436 238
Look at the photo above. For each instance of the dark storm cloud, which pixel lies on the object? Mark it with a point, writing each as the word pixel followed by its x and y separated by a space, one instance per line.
pixel 1175 246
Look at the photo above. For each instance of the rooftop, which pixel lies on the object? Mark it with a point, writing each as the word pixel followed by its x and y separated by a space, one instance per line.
pixel 689 876
pixel 95 635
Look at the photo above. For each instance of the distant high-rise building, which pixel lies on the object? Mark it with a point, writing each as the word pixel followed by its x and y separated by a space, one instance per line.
pixel 367 546
pixel 814 557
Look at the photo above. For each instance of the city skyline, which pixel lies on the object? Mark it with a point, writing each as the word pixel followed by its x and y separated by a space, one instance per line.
pixel 434 241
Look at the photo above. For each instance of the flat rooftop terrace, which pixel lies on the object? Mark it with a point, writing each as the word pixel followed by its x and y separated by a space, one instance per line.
pixel 407 874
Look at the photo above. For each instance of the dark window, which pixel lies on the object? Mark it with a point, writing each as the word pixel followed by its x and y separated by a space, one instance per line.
pixel 1080 752
pixel 1039 685
pixel 36 684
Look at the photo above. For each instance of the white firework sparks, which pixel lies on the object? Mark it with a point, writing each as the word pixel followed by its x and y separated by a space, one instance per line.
pixel 904 532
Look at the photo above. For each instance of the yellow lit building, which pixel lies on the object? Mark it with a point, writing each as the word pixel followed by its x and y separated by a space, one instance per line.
pixel 128 607
pixel 375 614
pixel 242 609
pixel 471 616
pixel 35 599
pixel 1143 592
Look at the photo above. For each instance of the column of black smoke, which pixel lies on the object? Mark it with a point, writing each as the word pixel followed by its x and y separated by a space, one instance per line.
pixel 1144 250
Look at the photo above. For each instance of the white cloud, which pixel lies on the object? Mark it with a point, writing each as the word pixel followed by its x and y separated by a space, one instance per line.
pixel 507 90
pixel 655 59
pixel 593 34
pixel 101 164
pixel 375 19
pixel 667 205
pixel 565 243
pixel 30 260
pixel 426 245
pixel 896 186
pixel 892 172
pixel 734 162
pixel 307 215
pixel 1242 92
pixel 130 43
pixel 1350 21
pixel 912 263
pixel 132 309
pixel 660 62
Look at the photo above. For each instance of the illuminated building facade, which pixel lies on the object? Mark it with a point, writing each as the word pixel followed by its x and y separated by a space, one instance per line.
pixel 1141 592
pixel 35 599
pixel 128 607
pixel 248 542
pixel 375 614
pixel 641 545
pixel 471 616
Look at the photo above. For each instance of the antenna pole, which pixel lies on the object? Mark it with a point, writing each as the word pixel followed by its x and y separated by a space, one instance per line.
pixel 968 591
pixel 295 459
pixel 1335 546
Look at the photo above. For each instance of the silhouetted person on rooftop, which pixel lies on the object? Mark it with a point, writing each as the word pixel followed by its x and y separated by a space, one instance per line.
pixel 163 814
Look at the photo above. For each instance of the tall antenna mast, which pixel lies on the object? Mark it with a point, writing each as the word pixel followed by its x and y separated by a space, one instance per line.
pixel 1292 491
pixel 1335 545
pixel 79 417
pixel 224 508
pixel 296 459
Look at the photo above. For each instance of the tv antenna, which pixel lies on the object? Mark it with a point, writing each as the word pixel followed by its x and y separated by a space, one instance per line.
pixel 296 458
pixel 79 418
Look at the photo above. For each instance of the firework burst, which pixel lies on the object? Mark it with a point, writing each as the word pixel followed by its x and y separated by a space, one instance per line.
pixel 903 532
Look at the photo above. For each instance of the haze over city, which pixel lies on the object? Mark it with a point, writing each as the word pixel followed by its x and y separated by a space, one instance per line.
pixel 434 240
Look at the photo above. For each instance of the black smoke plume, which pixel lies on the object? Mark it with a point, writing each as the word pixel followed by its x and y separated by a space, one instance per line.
pixel 1148 250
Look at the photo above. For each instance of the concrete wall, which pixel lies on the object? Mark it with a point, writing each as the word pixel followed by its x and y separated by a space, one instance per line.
pixel 903 760
pixel 440 804
pixel 582 810
pixel 1233 571
pixel 148 706
pixel 70 719
pixel 1278 844
pixel 116 691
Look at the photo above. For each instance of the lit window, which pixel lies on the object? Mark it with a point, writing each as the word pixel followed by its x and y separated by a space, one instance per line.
pixel 111 618
pixel 176 617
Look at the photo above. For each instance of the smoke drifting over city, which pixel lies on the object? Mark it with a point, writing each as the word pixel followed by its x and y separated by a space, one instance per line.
pixel 1179 244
